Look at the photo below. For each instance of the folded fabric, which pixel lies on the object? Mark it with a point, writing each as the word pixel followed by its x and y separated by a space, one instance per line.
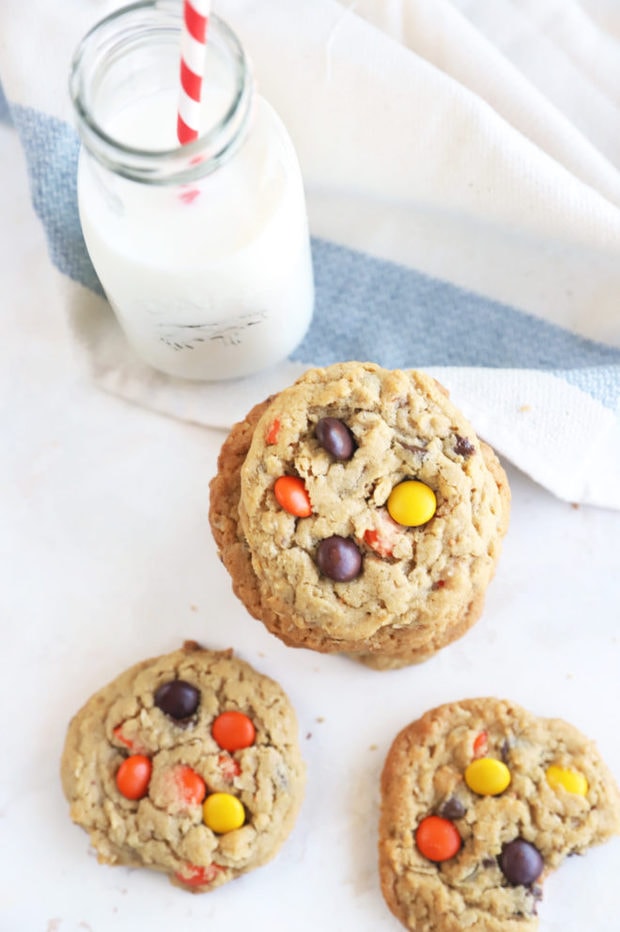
pixel 462 170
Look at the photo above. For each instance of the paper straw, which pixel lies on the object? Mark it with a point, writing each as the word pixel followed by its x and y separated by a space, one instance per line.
pixel 193 43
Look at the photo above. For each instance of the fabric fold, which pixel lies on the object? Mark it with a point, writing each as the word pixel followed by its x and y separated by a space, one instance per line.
pixel 462 171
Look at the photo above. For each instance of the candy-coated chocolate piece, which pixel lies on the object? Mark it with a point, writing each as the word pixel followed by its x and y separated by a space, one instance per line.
pixel 223 813
pixel 373 540
pixel 190 785
pixel 339 558
pixel 487 776
pixel 133 776
pixel 118 734
pixel 194 875
pixel 233 730
pixel 437 839
pixel 229 767
pixel 272 432
pixel 452 809
pixel 411 503
pixel 521 862
pixel 177 698
pixel 480 744
pixel 292 496
pixel 384 536
pixel 572 780
pixel 335 437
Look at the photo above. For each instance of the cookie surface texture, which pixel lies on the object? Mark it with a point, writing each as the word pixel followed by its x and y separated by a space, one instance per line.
pixel 425 556
pixel 480 800
pixel 188 764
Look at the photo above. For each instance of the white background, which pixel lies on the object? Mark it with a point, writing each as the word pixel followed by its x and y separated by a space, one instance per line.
pixel 106 558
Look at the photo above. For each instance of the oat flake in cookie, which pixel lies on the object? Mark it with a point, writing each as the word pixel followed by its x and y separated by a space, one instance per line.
pixel 358 512
pixel 188 764
pixel 480 800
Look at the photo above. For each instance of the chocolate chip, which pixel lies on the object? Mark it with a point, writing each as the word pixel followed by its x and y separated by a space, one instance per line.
pixel 335 437
pixel 414 448
pixel 177 698
pixel 339 558
pixel 463 446
pixel 521 862
pixel 452 809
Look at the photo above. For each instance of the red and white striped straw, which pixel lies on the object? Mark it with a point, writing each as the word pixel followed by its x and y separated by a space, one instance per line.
pixel 193 42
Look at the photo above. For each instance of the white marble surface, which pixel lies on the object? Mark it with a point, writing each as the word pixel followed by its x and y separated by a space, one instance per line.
pixel 106 558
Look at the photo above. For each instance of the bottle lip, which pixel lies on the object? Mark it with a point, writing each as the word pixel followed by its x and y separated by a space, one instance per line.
pixel 182 163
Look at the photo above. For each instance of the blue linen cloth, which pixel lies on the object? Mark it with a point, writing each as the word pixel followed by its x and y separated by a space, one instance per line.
pixel 510 299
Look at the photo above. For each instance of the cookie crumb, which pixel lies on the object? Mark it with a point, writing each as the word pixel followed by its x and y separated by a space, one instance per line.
pixel 191 645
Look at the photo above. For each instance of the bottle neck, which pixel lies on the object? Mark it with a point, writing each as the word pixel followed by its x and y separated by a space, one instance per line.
pixel 131 59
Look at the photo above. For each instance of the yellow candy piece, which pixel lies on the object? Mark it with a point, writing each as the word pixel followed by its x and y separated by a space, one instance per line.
pixel 487 776
pixel 222 813
pixel 411 503
pixel 572 780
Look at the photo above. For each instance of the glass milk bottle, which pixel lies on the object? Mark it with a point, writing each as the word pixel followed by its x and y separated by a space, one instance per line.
pixel 203 249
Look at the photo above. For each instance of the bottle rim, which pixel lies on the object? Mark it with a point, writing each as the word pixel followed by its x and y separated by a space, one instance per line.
pixel 118 34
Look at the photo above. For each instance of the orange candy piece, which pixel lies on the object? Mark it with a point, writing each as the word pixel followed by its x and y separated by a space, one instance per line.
pixel 233 731
pixel 291 495
pixel 133 776
pixel 229 766
pixel 437 839
pixel 376 543
pixel 191 786
pixel 480 744
pixel 383 537
pixel 196 876
pixel 118 734
pixel 272 433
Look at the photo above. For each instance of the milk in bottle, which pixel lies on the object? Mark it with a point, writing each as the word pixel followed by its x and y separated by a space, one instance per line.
pixel 202 250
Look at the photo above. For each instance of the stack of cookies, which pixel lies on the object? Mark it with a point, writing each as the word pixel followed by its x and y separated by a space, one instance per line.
pixel 358 512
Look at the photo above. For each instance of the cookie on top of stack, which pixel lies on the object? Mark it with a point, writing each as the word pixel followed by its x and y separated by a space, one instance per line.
pixel 357 512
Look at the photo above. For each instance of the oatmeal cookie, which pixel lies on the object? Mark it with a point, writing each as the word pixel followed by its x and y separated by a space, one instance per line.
pixel 188 764
pixel 480 801
pixel 358 512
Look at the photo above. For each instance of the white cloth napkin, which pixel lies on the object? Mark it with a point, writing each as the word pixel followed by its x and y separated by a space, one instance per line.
pixel 462 169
